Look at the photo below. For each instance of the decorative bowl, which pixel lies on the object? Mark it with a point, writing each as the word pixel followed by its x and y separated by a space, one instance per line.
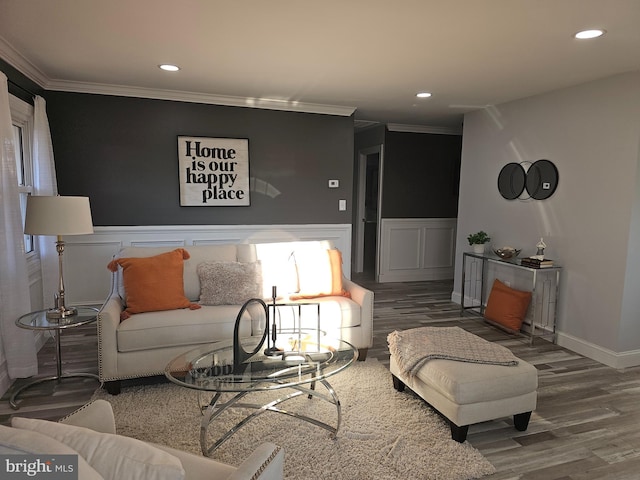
pixel 507 252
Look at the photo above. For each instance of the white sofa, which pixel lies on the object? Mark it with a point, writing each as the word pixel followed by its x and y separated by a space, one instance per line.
pixel 144 343
pixel 90 433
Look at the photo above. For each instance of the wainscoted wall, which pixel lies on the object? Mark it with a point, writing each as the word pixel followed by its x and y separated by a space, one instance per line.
pixel 87 280
pixel 417 249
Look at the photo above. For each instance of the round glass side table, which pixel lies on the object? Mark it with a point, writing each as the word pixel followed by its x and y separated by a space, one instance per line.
pixel 38 321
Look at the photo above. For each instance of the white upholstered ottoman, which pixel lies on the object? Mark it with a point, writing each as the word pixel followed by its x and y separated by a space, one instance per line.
pixel 467 393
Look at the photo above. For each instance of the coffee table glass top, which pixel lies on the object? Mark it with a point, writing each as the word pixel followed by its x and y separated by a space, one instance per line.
pixel 210 367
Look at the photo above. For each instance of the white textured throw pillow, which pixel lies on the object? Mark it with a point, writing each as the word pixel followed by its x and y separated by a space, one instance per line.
pixel 229 283
pixel 112 456
pixel 15 441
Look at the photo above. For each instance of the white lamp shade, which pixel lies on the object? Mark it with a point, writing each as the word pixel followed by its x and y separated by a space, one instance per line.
pixel 58 216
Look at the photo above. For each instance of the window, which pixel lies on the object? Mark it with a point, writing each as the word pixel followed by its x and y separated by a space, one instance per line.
pixel 22 120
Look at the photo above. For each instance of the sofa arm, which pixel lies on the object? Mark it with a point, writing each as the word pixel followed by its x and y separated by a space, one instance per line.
pixel 265 463
pixel 364 298
pixel 108 322
pixel 96 415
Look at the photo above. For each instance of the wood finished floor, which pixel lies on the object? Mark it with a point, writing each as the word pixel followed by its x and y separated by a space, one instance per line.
pixel 586 425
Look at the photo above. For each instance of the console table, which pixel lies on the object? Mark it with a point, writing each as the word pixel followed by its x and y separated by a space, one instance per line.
pixel 544 287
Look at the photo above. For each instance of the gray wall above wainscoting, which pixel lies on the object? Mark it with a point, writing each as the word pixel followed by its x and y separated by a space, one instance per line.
pixel 421 175
pixel 122 153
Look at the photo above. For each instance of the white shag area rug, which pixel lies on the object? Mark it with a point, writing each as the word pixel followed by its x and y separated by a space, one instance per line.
pixel 385 434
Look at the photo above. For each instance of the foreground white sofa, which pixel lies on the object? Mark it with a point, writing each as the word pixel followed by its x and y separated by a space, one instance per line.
pixel 144 343
pixel 90 433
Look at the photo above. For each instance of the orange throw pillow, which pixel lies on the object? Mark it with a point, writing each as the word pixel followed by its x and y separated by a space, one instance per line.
pixel 506 306
pixel 320 275
pixel 153 283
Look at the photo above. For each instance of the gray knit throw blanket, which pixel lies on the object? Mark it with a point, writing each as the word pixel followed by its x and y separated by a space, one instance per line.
pixel 412 348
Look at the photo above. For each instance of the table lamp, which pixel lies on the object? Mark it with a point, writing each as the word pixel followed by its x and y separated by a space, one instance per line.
pixel 58 215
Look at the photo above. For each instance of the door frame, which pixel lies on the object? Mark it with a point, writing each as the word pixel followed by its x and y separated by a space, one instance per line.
pixel 358 263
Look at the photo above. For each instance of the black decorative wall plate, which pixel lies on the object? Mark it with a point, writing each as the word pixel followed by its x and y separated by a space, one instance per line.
pixel 511 181
pixel 542 179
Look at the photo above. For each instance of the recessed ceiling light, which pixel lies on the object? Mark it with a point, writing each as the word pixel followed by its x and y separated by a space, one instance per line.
pixel 168 67
pixel 589 34
pixel 423 95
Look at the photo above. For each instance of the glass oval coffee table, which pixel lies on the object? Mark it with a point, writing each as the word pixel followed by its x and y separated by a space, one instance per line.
pixel 306 360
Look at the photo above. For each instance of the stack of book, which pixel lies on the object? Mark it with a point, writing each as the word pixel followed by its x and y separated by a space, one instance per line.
pixel 536 262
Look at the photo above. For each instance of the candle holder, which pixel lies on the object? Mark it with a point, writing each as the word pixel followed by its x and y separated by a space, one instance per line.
pixel 273 351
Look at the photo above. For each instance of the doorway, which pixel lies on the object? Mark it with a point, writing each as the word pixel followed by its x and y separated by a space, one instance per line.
pixel 368 219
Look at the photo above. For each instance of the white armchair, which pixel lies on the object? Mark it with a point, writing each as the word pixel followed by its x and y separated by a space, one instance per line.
pixel 90 432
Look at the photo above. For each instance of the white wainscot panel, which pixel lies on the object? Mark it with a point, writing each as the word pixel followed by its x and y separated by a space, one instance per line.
pixel 86 277
pixel 406 252
pixel 417 249
pixel 87 280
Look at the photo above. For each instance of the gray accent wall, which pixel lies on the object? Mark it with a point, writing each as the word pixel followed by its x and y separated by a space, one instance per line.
pixel 122 153
pixel 421 172
pixel 421 175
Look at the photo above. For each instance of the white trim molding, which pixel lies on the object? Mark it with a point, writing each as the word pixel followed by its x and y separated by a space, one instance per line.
pixel 18 61
pixel 193 97
pixel 618 360
pixel 88 282
pixel 399 127
pixel 417 249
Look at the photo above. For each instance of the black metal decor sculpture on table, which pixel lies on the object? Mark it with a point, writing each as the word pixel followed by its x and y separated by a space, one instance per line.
pixel 239 353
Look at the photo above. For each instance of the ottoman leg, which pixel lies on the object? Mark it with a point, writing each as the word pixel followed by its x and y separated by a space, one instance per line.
pixel 459 434
pixel 397 384
pixel 521 421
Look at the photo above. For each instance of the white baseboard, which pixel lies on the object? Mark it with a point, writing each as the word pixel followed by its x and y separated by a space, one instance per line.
pixel 600 354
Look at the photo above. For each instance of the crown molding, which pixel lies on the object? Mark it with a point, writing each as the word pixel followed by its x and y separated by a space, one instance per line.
pixel 181 96
pixel 365 124
pixel 399 127
pixel 18 61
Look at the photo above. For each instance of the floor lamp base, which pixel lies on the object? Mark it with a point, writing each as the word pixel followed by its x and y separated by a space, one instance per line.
pixel 62 312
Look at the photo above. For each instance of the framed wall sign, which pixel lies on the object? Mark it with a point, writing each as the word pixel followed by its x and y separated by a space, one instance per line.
pixel 213 171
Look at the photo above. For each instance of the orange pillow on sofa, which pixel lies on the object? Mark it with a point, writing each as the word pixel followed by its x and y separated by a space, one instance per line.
pixel 506 306
pixel 320 274
pixel 153 283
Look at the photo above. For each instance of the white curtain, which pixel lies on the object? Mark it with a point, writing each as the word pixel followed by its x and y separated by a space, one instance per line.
pixel 18 344
pixel 44 183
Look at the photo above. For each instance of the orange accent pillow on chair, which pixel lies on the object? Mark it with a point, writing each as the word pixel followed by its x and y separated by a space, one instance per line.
pixel 153 283
pixel 506 306
pixel 320 275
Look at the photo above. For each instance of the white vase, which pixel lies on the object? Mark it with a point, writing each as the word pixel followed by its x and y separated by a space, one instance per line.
pixel 478 248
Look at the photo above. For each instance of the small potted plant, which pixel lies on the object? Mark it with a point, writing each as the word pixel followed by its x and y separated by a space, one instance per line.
pixel 477 241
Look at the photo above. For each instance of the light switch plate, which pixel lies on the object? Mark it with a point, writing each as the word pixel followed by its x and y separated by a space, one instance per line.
pixel 334 183
pixel 342 205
